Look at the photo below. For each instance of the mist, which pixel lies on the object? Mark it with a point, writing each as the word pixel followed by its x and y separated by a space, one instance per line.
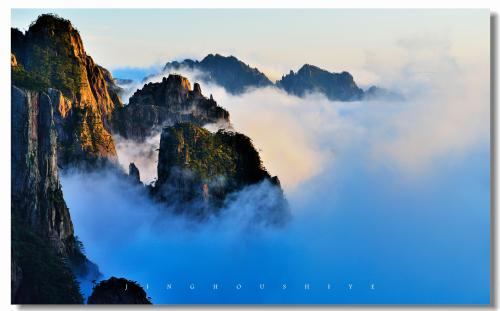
pixel 143 154
pixel 349 226
pixel 391 193
pixel 444 114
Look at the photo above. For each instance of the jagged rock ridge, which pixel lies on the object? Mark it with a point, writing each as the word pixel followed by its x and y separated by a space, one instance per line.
pixel 227 71
pixel 236 77
pixel 51 55
pixel 165 103
pixel 309 79
pixel 199 169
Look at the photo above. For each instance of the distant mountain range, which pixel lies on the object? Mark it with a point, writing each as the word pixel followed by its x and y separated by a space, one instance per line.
pixel 229 72
pixel 236 77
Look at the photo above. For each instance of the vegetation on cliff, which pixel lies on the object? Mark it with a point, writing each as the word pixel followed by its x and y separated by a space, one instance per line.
pixel 63 105
pixel 198 167
pixel 50 54
pixel 224 153
pixel 27 80
pixel 45 56
pixel 44 246
pixel 118 291
pixel 40 276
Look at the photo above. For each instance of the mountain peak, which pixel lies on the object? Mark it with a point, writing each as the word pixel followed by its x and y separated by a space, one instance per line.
pixel 219 57
pixel 310 78
pixel 54 27
pixel 51 21
pixel 309 67
pixel 176 82
pixel 164 103
pixel 227 71
pixel 186 147
pixel 50 54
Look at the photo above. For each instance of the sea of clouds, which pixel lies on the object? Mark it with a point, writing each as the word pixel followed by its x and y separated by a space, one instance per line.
pixel 369 185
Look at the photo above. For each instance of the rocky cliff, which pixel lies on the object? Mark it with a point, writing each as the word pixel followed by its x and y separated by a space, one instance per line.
pixel 201 168
pixel 165 103
pixel 42 231
pixel 134 174
pixel 118 291
pixel 309 79
pixel 51 55
pixel 36 191
pixel 227 71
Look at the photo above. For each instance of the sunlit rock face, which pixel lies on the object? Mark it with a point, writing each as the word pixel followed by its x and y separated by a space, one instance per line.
pixel 51 55
pixel 42 230
pixel 13 60
pixel 61 106
pixel 36 190
pixel 165 103
pixel 198 171
pixel 229 72
pixel 310 79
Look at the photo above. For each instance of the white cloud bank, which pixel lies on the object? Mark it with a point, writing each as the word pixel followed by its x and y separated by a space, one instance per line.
pixel 445 113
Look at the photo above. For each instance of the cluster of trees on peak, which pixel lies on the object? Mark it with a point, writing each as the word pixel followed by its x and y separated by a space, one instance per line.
pixel 214 165
pixel 43 57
